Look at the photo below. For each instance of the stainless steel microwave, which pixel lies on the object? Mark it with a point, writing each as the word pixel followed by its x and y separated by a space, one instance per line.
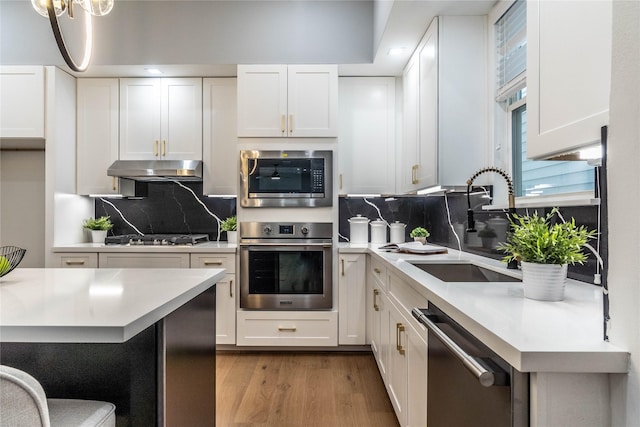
pixel 286 178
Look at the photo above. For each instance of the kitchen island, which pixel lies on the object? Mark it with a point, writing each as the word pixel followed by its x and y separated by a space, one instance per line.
pixel 143 339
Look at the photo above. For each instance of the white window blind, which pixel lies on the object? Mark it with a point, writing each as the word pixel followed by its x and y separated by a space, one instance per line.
pixel 511 46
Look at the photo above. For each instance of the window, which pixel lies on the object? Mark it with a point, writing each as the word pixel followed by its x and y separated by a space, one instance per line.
pixel 531 177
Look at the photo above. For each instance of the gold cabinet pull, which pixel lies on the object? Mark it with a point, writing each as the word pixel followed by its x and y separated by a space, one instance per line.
pixel 212 263
pixel 375 300
pixel 231 288
pixel 342 265
pixel 74 262
pixel 399 331
pixel 285 329
pixel 341 181
pixel 290 123
pixel 155 148
pixel 164 147
pixel 414 174
pixel 113 183
pixel 282 123
pixel 377 270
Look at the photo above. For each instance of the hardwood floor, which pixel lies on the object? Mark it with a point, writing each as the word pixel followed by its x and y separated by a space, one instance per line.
pixel 293 389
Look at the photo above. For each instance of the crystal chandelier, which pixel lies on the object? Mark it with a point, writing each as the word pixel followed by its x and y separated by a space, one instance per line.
pixel 52 9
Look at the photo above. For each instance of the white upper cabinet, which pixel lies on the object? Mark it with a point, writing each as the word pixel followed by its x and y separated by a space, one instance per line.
pixel 445 105
pixel 161 119
pixel 568 75
pixel 220 148
pixel 367 135
pixel 293 100
pixel 22 102
pixel 97 138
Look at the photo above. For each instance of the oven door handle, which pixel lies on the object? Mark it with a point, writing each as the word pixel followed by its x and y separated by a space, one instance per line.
pixel 280 245
pixel 485 376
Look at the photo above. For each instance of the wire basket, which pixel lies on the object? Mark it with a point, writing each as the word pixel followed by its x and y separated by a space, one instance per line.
pixel 10 257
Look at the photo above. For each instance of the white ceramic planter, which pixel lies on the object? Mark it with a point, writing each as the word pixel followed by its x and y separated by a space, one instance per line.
pixel 98 236
pixel 422 240
pixel 232 236
pixel 544 282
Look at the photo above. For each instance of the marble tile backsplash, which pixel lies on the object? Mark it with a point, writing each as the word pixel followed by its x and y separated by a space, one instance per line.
pixel 168 208
pixel 431 212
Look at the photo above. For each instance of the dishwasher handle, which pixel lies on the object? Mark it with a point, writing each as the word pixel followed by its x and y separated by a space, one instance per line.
pixel 486 377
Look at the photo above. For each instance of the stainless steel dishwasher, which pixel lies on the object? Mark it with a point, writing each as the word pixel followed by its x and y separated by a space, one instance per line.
pixel 468 384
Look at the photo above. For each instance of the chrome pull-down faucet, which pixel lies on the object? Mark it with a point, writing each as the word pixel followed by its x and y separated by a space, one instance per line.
pixel 512 202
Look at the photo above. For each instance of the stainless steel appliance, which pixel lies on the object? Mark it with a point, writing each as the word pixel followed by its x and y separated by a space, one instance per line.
pixel 468 384
pixel 156 239
pixel 286 178
pixel 285 266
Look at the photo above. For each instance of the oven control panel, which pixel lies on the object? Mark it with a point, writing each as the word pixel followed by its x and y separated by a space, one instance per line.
pixel 290 230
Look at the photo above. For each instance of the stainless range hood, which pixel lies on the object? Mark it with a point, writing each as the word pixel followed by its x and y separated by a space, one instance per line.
pixel 157 170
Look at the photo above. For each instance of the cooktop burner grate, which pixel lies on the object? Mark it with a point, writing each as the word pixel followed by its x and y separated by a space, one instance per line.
pixel 156 239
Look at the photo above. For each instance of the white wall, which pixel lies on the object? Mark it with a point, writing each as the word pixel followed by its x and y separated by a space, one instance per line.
pixel 22 210
pixel 624 203
pixel 202 32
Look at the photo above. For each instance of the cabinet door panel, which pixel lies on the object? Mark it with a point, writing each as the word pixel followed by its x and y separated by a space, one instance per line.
pixel 22 102
pixel 568 83
pixel 181 119
pixel 411 113
pixel 397 368
pixel 367 135
pixel 97 139
pixel 427 171
pixel 313 101
pixel 262 100
pixel 220 148
pixel 139 119
pixel 351 299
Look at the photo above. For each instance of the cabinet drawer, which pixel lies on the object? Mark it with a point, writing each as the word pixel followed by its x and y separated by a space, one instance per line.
pixel 269 328
pixel 226 261
pixel 378 271
pixel 78 261
pixel 406 298
pixel 130 260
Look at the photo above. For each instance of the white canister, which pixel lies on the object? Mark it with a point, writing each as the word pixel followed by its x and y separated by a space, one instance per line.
pixel 397 232
pixel 358 229
pixel 378 232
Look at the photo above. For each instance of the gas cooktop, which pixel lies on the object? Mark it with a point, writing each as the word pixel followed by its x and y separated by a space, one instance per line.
pixel 156 239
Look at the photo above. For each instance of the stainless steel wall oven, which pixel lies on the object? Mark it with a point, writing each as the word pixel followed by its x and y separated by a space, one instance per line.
pixel 286 266
pixel 286 178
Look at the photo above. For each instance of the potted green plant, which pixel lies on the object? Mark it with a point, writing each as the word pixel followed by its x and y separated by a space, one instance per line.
pixel 230 225
pixel 544 251
pixel 420 234
pixel 98 228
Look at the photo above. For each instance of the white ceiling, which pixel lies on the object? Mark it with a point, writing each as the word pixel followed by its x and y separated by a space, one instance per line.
pixel 207 38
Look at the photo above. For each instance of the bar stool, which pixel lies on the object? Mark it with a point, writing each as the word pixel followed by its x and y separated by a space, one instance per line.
pixel 24 403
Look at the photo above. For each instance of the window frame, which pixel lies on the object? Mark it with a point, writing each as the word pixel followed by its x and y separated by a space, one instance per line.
pixel 501 118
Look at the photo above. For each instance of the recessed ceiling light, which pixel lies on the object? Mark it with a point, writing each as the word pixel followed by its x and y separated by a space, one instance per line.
pixel 153 71
pixel 395 51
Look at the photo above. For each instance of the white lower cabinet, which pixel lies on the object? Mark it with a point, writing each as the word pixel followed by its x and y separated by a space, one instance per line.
pixel 377 317
pixel 287 328
pixel 226 291
pixel 398 343
pixel 135 260
pixel 351 299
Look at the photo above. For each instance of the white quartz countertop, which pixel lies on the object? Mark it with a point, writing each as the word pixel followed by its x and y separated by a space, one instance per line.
pixel 93 305
pixel 101 247
pixel 532 336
